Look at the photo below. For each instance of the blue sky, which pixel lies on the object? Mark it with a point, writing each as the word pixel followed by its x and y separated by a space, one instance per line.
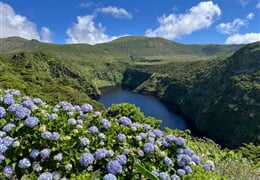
pixel 94 21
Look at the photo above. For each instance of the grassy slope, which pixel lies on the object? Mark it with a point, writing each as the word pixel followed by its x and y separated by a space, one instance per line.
pixel 70 71
pixel 220 95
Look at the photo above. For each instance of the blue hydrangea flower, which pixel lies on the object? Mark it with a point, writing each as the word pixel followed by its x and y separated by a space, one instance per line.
pixel 180 172
pixel 167 161
pixel 106 124
pixel 195 159
pixel 58 157
pixel 109 177
pixel 8 99
pixel 31 122
pixel 46 135
pixel 121 137
pixel 55 136
pixel 187 169
pixel 45 176
pixel 100 154
pixel 37 101
pixel 148 148
pixel 72 121
pixel 2 112
pixel 97 114
pixel 3 148
pixel 164 176
pixel 53 116
pixel 188 151
pixel 206 167
pixel 22 112
pixel 8 127
pixel 170 138
pixel 125 121
pixel 13 107
pixel 179 141
pixel 93 129
pixel 147 127
pixel 15 92
pixel 84 141
pixel 68 167
pixel 8 141
pixel 77 108
pixel 35 153
pixel 143 135
pixel 151 139
pixel 101 136
pixel 45 153
pixel 80 122
pixel 24 163
pixel 175 177
pixel 110 153
pixel 155 173
pixel 121 159
pixel 36 167
pixel 86 108
pixel 28 103
pixel 86 159
pixel 114 167
pixel 7 171
pixel 158 133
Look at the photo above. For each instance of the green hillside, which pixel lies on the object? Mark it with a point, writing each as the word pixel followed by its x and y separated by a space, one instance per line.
pixel 221 95
pixel 209 84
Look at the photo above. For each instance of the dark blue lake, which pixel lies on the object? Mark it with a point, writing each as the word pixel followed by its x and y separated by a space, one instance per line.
pixel 149 105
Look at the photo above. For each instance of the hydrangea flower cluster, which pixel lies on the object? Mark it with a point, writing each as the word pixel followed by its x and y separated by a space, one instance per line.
pixel 70 138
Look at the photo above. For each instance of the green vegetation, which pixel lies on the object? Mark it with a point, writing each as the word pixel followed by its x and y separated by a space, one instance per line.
pixel 218 91
pixel 41 141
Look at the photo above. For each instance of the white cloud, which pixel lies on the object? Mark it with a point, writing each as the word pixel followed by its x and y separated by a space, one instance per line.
pixel 86 31
pixel 258 5
pixel 231 27
pixel 116 12
pixel 46 34
pixel 87 4
pixel 243 38
pixel 250 16
pixel 12 24
pixel 198 17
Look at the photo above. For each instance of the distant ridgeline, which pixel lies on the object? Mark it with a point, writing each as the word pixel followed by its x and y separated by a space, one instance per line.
pixel 216 86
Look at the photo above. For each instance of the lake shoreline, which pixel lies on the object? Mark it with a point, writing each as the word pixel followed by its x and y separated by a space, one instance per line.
pixel 171 107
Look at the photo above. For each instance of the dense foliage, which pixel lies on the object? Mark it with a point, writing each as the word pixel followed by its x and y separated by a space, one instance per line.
pixel 40 141
pixel 221 96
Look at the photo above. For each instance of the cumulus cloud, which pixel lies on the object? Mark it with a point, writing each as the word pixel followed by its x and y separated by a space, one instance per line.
pixel 250 16
pixel 115 12
pixel 243 38
pixel 234 26
pixel 86 31
pixel 175 25
pixel 12 24
pixel 46 34
pixel 231 27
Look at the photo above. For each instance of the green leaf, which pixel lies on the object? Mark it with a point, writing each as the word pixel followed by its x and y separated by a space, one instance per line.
pixel 255 166
pixel 145 171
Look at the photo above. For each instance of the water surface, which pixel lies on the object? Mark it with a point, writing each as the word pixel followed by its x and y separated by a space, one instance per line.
pixel 149 105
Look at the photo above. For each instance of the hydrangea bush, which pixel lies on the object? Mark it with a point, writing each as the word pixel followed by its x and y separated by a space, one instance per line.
pixel 65 141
